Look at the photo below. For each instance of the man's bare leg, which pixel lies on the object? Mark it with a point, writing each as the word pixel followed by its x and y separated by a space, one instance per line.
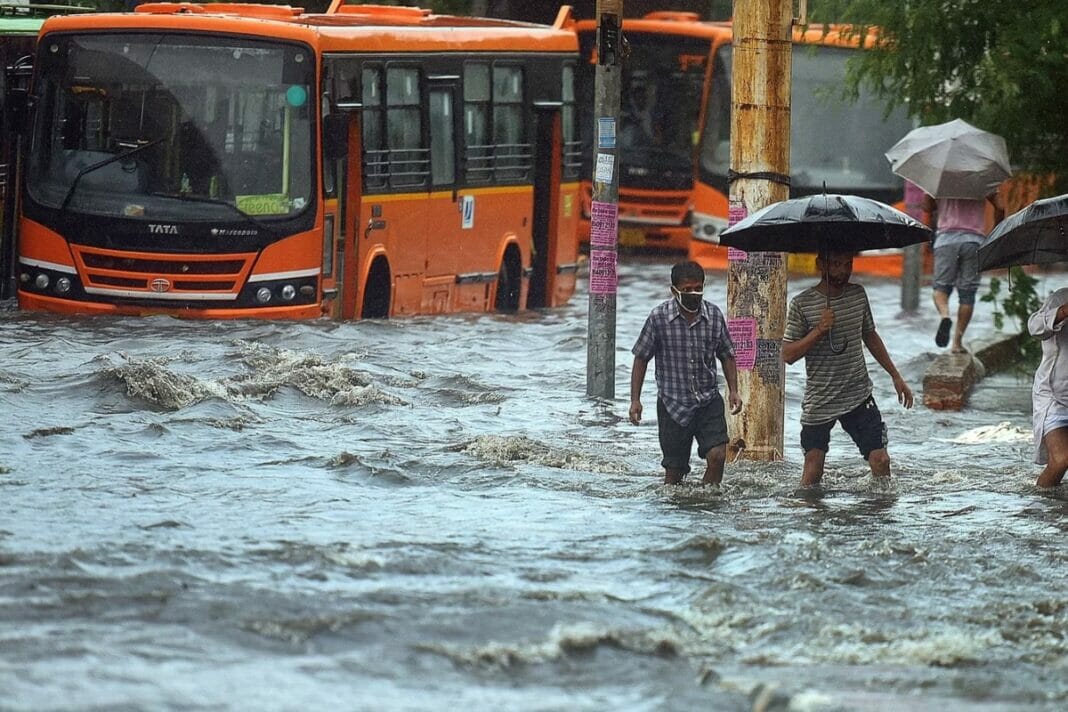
pixel 879 462
pixel 1057 446
pixel 813 471
pixel 964 316
pixel 714 462
pixel 673 477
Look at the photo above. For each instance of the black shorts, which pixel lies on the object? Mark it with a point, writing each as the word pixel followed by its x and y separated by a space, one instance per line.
pixel 864 424
pixel 709 427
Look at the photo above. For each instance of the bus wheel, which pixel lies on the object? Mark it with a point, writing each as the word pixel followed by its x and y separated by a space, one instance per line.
pixel 508 282
pixel 376 293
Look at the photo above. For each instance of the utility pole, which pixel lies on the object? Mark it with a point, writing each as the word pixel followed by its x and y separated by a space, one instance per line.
pixel 604 213
pixel 759 175
pixel 912 256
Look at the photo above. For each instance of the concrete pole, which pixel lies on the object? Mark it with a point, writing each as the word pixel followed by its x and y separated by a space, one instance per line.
pixel 912 256
pixel 604 244
pixel 760 169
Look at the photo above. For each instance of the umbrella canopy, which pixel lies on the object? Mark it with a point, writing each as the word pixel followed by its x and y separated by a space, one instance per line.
pixel 825 222
pixel 1036 235
pixel 951 160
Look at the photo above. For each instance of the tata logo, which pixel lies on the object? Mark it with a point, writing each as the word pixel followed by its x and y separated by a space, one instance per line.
pixel 162 229
pixel 160 285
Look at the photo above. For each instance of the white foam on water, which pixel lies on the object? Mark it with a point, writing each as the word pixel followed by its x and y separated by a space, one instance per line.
pixel 520 448
pixel 562 640
pixel 1003 432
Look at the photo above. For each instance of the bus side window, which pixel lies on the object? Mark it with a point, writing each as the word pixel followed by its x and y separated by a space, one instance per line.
pixel 408 160
pixel 375 154
pixel 478 153
pixel 442 144
pixel 513 156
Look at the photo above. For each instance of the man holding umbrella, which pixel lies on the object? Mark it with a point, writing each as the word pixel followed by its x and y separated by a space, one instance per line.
pixel 959 167
pixel 830 324
pixel 961 229
pixel 827 325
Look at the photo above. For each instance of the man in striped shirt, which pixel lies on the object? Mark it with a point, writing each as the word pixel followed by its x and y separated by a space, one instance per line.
pixel 686 335
pixel 828 325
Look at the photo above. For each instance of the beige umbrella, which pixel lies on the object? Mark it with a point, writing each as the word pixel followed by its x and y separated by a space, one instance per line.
pixel 951 160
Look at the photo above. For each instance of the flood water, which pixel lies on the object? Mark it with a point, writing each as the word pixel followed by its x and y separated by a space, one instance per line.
pixel 428 513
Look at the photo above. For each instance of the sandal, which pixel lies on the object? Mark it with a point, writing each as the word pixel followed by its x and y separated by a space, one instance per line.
pixel 942 337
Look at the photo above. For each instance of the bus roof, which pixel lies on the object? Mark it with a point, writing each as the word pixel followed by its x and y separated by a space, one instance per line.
pixel 410 29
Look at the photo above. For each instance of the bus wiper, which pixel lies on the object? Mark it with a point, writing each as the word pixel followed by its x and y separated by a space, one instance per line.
pixel 216 201
pixel 100 164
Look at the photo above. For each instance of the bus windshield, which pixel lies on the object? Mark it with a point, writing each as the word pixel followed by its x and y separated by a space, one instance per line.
pixel 660 99
pixel 836 144
pixel 175 127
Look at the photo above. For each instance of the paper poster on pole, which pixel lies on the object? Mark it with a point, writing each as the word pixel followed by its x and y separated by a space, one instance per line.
pixel 743 334
pixel 603 279
pixel 736 212
pixel 606 132
pixel 604 221
pixel 606 164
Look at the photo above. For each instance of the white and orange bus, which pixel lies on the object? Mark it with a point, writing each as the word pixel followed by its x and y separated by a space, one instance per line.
pixel 240 160
pixel 673 182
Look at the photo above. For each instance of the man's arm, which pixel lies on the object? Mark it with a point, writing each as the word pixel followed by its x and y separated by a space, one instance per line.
pixel 794 350
pixel 637 379
pixel 875 345
pixel 730 375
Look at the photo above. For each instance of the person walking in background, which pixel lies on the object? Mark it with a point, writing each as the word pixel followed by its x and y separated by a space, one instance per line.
pixel 961 229
pixel 828 325
pixel 686 334
pixel 1049 395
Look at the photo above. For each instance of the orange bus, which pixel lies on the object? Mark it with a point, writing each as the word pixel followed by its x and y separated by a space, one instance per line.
pixel 240 160
pixel 673 184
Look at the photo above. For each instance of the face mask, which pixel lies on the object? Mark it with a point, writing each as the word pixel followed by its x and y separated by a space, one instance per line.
pixel 689 301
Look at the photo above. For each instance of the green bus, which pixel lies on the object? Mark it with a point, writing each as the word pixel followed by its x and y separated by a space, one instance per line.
pixel 19 24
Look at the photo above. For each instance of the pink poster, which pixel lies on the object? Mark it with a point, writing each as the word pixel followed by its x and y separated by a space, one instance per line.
pixel 736 212
pixel 603 272
pixel 736 255
pixel 603 223
pixel 743 334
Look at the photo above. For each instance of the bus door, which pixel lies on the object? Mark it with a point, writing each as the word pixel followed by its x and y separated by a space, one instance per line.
pixel 544 232
pixel 446 225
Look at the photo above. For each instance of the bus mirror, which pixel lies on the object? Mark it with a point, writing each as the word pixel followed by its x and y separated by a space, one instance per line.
pixel 336 136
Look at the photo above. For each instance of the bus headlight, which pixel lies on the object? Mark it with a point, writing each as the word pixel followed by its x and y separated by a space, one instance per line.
pixel 63 285
pixel 42 281
pixel 288 292
pixel 707 228
pixel 263 295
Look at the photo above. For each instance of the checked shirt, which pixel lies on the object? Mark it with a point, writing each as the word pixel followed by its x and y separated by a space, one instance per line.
pixel 685 356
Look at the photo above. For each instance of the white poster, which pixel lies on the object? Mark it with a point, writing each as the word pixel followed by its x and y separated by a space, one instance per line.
pixel 467 209
pixel 606 164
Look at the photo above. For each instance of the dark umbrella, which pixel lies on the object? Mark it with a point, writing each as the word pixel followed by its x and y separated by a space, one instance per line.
pixel 826 222
pixel 1033 236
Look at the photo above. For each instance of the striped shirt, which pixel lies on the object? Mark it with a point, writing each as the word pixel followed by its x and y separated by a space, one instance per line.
pixel 685 356
pixel 835 383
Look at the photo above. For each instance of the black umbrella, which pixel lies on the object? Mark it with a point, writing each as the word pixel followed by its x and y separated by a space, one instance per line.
pixel 826 222
pixel 1033 236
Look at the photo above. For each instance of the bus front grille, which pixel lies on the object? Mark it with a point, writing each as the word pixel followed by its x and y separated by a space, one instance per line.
pixel 162 276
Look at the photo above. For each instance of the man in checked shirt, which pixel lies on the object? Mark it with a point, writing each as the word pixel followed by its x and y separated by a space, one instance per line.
pixel 686 335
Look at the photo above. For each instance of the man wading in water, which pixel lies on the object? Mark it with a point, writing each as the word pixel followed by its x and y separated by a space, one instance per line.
pixel 685 335
pixel 827 325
